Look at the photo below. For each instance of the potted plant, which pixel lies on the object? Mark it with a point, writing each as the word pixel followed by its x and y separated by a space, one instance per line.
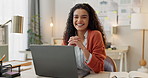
pixel 34 36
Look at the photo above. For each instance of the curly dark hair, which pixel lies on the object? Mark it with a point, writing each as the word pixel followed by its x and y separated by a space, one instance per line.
pixel 93 24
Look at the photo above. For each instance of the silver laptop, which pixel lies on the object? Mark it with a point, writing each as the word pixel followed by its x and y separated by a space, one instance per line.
pixel 54 61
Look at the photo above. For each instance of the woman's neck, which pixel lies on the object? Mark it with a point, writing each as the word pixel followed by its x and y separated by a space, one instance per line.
pixel 81 34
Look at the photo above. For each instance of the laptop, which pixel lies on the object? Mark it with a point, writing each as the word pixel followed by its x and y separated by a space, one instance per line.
pixel 54 61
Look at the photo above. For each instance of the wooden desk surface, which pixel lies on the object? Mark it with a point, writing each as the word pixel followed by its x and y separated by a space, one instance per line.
pixel 16 63
pixel 31 74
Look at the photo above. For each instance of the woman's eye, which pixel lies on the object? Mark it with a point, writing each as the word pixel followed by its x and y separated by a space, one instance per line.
pixel 84 17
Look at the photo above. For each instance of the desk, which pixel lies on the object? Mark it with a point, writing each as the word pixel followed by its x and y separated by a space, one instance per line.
pixel 133 74
pixel 121 54
pixel 31 74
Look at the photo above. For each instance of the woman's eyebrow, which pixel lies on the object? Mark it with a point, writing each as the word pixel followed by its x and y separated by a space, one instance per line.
pixel 82 15
pixel 75 15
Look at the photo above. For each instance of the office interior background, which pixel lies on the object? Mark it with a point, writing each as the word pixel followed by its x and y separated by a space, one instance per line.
pixel 56 11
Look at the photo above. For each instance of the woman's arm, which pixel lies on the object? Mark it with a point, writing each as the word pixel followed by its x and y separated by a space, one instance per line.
pixel 97 49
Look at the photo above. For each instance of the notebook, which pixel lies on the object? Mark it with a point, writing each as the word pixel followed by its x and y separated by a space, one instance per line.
pixel 54 61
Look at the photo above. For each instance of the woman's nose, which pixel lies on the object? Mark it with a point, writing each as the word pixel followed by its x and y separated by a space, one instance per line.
pixel 79 19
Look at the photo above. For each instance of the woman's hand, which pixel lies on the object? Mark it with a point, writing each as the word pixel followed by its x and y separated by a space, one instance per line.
pixel 76 41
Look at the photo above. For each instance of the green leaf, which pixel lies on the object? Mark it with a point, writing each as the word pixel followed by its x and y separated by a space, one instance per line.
pixel 34 37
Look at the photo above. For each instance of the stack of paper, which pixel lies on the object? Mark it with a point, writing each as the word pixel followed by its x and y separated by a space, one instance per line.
pixel 131 74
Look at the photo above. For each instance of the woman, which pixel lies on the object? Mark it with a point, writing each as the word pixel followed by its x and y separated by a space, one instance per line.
pixel 83 30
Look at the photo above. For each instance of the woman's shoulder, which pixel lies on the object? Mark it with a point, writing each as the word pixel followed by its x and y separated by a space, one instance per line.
pixel 94 32
pixel 94 35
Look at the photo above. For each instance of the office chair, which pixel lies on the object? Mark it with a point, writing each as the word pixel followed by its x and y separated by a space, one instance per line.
pixel 110 65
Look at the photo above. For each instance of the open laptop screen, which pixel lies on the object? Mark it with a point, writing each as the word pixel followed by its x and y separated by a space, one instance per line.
pixel 54 61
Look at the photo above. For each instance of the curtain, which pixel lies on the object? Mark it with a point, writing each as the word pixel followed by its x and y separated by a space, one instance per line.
pixel 34 35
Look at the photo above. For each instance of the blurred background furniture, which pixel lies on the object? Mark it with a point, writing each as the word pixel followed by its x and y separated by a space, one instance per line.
pixel 109 65
pixel 120 53
pixel 56 40
pixel 4 51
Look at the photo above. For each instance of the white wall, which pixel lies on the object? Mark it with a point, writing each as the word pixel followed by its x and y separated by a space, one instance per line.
pixel 16 42
pixel 62 8
pixel 144 6
pixel 46 12
pixel 58 9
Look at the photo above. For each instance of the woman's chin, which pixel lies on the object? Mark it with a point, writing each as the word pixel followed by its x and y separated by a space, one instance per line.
pixel 81 29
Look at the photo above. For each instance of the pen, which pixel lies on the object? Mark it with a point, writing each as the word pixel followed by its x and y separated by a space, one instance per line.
pixel 4 56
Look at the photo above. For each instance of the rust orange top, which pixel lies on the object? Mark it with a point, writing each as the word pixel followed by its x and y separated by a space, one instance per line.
pixel 96 47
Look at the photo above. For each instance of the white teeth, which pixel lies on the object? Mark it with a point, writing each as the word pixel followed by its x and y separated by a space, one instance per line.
pixel 80 24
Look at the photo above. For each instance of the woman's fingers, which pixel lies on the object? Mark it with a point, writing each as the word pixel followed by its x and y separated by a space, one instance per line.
pixel 76 38
pixel 73 40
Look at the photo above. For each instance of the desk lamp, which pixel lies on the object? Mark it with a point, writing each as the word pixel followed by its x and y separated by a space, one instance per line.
pixel 17 24
pixel 140 21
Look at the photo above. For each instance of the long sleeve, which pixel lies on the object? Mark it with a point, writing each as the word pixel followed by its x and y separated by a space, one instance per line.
pixel 96 47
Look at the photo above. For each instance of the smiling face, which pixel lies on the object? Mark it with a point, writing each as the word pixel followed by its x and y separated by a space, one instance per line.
pixel 80 19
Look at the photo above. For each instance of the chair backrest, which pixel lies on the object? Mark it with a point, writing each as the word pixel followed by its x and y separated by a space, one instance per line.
pixel 56 40
pixel 110 65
